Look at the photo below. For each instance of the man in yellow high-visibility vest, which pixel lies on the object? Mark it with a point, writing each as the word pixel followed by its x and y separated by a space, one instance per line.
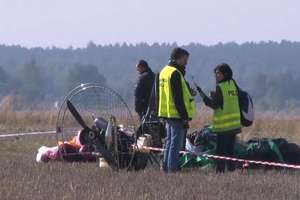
pixel 227 114
pixel 176 106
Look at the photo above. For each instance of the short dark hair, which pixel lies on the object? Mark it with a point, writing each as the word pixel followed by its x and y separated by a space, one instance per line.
pixel 143 63
pixel 225 69
pixel 178 53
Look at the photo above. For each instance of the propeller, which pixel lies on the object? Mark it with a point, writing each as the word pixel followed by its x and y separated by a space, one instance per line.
pixel 77 116
pixel 99 144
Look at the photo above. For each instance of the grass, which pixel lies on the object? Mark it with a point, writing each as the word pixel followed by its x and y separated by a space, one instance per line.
pixel 22 178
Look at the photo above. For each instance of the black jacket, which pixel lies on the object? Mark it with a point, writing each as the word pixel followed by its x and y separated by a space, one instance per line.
pixel 143 91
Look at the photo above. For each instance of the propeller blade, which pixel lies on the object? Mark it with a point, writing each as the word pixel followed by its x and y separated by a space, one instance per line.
pixel 108 135
pixel 76 115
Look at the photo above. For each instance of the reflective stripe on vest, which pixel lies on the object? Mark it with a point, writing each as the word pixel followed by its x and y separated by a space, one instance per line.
pixel 167 107
pixel 229 117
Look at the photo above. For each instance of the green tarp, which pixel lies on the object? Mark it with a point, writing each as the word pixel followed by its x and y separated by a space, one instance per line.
pixel 255 149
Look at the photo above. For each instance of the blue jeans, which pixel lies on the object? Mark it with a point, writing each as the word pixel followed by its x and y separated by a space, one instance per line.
pixel 173 145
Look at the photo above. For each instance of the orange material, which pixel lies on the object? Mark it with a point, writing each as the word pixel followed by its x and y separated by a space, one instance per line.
pixel 73 142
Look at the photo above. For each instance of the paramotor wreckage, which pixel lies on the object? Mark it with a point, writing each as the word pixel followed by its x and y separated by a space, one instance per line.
pixel 107 129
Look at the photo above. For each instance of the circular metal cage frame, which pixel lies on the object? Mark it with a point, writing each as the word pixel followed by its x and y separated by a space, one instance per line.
pixel 93 87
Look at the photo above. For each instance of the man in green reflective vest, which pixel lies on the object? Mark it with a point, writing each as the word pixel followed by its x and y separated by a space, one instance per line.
pixel 176 106
pixel 227 115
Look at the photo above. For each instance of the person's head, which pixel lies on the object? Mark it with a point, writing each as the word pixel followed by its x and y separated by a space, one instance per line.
pixel 223 72
pixel 142 66
pixel 179 56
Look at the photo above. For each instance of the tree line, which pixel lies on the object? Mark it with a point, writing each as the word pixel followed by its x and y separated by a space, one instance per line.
pixel 269 71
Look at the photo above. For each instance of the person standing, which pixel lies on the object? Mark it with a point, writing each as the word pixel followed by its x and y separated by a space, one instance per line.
pixel 176 106
pixel 143 87
pixel 227 116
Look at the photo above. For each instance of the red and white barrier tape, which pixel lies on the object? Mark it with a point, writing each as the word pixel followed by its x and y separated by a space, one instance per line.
pixel 27 134
pixel 274 164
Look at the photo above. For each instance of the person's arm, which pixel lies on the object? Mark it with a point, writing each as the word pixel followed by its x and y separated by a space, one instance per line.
pixel 214 102
pixel 139 95
pixel 177 92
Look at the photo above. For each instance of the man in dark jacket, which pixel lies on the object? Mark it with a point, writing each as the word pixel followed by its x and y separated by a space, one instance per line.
pixel 143 87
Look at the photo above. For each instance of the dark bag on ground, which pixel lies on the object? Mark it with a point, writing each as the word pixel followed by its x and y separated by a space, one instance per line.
pixel 289 151
pixel 263 149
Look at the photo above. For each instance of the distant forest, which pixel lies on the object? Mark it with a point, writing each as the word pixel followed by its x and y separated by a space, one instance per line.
pixel 269 71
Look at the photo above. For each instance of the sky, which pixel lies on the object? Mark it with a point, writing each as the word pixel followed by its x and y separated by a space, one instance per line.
pixel 65 23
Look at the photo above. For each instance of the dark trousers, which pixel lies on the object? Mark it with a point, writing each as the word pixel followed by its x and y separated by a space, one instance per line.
pixel 225 147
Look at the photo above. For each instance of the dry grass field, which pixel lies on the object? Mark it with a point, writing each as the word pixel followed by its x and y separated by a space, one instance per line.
pixel 22 178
